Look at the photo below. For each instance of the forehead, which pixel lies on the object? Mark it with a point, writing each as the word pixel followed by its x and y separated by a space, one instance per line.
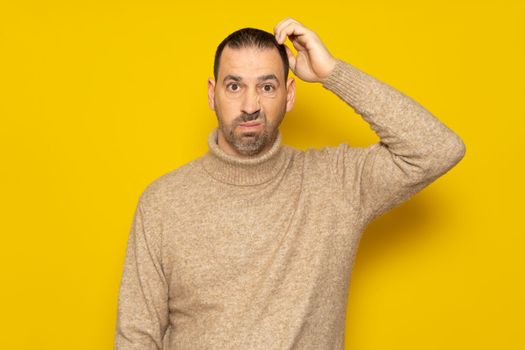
pixel 250 63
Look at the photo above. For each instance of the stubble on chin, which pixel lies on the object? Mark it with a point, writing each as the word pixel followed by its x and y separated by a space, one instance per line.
pixel 248 143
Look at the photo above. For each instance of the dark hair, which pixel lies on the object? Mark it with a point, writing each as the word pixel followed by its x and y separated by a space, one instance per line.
pixel 250 37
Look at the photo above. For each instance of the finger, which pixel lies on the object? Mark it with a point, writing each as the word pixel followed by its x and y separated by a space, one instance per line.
pixel 293 28
pixel 298 46
pixel 279 25
pixel 291 58
pixel 284 29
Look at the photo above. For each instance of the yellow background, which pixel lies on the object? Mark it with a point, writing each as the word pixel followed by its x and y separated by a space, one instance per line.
pixel 99 98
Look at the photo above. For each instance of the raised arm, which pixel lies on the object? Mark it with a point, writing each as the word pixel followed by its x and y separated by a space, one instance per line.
pixel 414 149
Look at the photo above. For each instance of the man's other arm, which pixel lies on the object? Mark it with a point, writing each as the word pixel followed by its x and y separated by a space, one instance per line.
pixel 143 296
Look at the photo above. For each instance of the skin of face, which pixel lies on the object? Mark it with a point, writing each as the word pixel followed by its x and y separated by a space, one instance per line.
pixel 250 87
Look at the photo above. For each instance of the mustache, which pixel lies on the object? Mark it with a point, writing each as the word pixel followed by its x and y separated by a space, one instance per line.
pixel 247 117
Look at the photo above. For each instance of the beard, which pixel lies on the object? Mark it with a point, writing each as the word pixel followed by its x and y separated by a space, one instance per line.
pixel 249 143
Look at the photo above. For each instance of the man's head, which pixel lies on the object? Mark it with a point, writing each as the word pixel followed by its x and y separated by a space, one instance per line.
pixel 250 38
pixel 251 85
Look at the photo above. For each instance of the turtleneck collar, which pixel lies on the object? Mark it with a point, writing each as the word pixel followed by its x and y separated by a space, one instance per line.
pixel 235 170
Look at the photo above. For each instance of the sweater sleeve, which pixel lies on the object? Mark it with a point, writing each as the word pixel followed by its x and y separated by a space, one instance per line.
pixel 414 149
pixel 142 318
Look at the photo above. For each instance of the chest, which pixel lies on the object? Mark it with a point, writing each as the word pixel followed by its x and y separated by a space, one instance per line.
pixel 231 244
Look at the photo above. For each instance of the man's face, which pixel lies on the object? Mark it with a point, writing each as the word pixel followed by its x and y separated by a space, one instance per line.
pixel 250 98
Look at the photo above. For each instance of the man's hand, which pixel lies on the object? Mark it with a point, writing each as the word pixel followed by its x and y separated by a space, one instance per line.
pixel 313 62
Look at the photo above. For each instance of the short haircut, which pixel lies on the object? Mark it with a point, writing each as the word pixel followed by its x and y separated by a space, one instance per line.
pixel 247 38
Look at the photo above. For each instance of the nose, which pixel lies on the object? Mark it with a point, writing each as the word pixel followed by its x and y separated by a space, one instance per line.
pixel 250 103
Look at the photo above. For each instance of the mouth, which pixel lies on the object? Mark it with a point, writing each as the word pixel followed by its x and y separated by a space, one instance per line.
pixel 250 125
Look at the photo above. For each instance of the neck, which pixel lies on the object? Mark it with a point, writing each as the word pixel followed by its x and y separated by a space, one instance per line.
pixel 244 170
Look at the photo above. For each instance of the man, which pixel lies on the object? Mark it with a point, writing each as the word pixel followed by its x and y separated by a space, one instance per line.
pixel 251 246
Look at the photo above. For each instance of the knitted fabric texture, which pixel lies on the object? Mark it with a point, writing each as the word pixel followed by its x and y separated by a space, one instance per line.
pixel 227 252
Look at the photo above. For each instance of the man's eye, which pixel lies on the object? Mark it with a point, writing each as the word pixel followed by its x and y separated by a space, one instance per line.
pixel 233 87
pixel 268 88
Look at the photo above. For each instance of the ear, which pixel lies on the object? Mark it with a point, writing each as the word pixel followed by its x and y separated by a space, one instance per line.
pixel 290 97
pixel 211 93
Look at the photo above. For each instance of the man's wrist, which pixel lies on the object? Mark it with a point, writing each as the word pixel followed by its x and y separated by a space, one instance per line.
pixel 330 70
pixel 348 82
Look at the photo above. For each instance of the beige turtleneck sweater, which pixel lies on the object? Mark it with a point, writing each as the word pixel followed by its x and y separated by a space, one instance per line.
pixel 236 253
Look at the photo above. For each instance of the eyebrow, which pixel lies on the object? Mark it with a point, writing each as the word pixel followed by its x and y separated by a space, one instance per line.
pixel 261 78
pixel 267 77
pixel 232 77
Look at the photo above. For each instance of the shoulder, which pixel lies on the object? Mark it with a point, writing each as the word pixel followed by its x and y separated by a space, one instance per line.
pixel 338 163
pixel 327 154
pixel 166 187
